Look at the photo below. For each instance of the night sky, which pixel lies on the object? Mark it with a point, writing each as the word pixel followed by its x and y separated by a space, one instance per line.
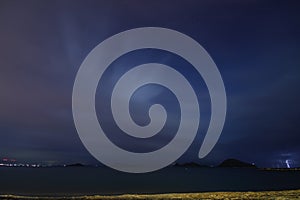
pixel 255 44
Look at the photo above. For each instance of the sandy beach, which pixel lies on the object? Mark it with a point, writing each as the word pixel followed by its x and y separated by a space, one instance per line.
pixel 288 194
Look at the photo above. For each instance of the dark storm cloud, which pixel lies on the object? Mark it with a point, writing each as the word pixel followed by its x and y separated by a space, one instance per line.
pixel 35 84
pixel 254 44
pixel 265 119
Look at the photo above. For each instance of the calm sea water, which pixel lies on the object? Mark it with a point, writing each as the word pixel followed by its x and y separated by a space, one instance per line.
pixel 88 180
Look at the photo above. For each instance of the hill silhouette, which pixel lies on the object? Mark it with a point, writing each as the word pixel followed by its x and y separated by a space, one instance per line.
pixel 236 163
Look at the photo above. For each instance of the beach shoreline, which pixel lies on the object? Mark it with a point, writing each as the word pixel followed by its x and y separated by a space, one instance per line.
pixel 283 194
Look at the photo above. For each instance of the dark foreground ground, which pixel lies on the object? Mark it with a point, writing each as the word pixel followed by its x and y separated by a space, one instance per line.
pixel 289 194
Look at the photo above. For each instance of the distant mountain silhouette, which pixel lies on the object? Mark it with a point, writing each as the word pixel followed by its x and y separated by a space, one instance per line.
pixel 191 164
pixel 75 165
pixel 236 163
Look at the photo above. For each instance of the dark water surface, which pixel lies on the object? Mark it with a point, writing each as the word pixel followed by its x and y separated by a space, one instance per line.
pixel 89 180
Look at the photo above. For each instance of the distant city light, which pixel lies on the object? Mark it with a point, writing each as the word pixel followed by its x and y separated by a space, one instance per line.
pixel 10 162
